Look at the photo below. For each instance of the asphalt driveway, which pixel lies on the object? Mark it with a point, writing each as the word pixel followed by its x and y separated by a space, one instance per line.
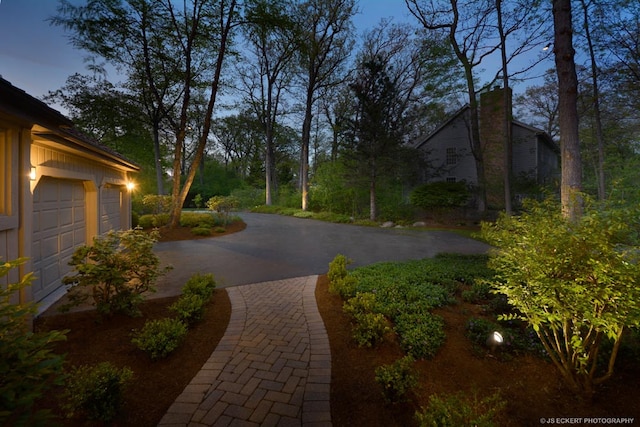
pixel 275 247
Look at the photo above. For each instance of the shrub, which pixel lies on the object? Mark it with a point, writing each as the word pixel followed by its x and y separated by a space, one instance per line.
pixel 453 410
pixel 575 282
pixel 480 291
pixel 160 337
pixel 440 195
pixel 202 285
pixel 189 308
pixel 96 391
pixel 340 282
pixel 370 328
pixel 196 219
pixel 118 269
pixel 397 379
pixel 157 204
pixel 224 205
pixel 362 302
pixel 28 366
pixel 201 231
pixel 421 334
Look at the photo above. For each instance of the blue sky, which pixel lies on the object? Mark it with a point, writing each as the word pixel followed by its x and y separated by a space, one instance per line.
pixel 36 56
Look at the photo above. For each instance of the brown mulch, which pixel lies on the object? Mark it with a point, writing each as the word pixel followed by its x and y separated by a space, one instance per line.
pixel 528 384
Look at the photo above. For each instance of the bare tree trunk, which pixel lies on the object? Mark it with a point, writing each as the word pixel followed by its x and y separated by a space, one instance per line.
pixel 508 152
pixel 571 185
pixel 596 105
pixel 157 157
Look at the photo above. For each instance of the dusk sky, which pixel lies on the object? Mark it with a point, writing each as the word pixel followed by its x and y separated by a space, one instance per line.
pixel 37 57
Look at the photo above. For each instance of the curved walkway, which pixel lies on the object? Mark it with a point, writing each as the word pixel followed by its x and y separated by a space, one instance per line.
pixel 272 366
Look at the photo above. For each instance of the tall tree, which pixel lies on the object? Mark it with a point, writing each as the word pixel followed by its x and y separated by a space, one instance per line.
pixel 166 52
pixel 388 87
pixel 571 183
pixel 325 45
pixel 272 37
pixel 470 37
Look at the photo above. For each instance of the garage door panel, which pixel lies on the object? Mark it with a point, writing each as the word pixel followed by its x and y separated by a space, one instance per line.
pixel 110 208
pixel 59 228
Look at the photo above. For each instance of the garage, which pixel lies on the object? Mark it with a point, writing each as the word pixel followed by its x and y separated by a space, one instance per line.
pixel 111 206
pixel 59 226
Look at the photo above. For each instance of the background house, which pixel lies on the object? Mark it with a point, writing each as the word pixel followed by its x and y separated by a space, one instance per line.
pixel 58 189
pixel 447 151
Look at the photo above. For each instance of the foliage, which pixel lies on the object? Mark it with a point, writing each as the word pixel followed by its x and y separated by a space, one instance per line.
pixel 157 204
pixel 201 231
pixel 440 195
pixel 369 327
pixel 479 291
pixel 224 205
pixel 516 338
pixel 453 410
pixel 28 366
pixel 421 334
pixel 153 221
pixel 575 282
pixel 202 285
pixel 196 219
pixel 249 197
pixel 197 200
pixel 189 308
pixel 405 293
pixel 115 271
pixel 96 391
pixel 340 282
pixel 160 337
pixel 397 379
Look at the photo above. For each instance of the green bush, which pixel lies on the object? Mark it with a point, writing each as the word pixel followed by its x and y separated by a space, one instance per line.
pixel 362 302
pixel 224 205
pixel 157 204
pixel 118 269
pixel 189 308
pixel 160 337
pixel 28 366
pixel 153 221
pixel 197 219
pixel 201 231
pixel 479 291
pixel 96 391
pixel 576 283
pixel 454 410
pixel 421 334
pixel 397 379
pixel 440 195
pixel 369 329
pixel 199 284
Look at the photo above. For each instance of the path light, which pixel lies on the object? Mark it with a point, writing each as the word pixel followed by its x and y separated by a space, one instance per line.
pixel 494 340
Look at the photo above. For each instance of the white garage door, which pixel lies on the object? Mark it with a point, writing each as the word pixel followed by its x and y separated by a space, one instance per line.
pixel 59 226
pixel 110 206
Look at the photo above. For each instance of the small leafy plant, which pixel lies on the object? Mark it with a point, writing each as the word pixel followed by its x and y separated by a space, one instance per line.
pixel 189 308
pixel 160 337
pixel 421 334
pixel 453 410
pixel 369 327
pixel 223 205
pixel 28 365
pixel 115 271
pixel 200 284
pixel 96 391
pixel 397 379
pixel 340 282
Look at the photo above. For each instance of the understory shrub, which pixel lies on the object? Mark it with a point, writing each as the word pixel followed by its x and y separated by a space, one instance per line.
pixel 224 205
pixel 96 391
pixel 160 337
pixel 421 334
pixel 28 365
pixel 201 231
pixel 189 308
pixel 576 282
pixel 198 220
pixel 153 221
pixel 340 282
pixel 397 379
pixel 115 271
pixel 454 410
pixel 199 284
pixel 369 329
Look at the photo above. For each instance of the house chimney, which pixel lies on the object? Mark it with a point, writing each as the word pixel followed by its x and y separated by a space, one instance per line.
pixel 492 130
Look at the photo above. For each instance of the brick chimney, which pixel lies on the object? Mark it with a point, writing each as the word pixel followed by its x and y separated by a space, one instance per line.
pixel 492 141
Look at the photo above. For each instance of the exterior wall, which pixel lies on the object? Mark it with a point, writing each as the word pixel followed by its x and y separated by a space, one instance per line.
pixel 453 136
pixel 525 153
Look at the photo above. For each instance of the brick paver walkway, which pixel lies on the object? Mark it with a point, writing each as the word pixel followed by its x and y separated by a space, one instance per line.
pixel 272 367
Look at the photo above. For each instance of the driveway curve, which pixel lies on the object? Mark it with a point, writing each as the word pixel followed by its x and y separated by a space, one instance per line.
pixel 275 247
